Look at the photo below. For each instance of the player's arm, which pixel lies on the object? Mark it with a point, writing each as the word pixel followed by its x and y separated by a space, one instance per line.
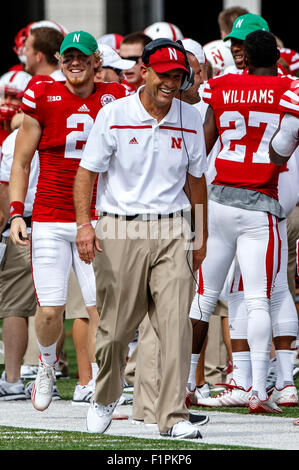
pixel 26 144
pixel 196 191
pixel 275 157
pixel 210 130
pixel 284 141
pixel 86 239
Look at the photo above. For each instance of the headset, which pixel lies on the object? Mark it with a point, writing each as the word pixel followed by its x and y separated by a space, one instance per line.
pixel 160 43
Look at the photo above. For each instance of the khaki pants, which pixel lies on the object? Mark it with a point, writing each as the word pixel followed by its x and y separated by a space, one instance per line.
pixel 148 374
pixel 135 277
pixel 17 294
pixel 148 364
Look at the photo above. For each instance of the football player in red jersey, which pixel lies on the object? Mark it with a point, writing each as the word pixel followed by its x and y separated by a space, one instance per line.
pixel 58 119
pixel 242 26
pixel 244 207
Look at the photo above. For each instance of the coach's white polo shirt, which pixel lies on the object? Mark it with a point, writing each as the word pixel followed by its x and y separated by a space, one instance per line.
pixel 143 163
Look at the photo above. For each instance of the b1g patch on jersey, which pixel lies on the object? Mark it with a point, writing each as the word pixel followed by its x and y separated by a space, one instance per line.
pixel 53 98
pixel 107 98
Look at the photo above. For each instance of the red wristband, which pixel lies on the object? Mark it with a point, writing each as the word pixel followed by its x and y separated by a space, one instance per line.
pixel 16 207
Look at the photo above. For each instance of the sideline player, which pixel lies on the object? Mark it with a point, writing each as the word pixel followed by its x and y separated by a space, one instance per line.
pixel 244 209
pixel 12 86
pixel 131 48
pixel 113 65
pixel 22 35
pixel 283 318
pixel 243 25
pixel 286 140
pixel 58 119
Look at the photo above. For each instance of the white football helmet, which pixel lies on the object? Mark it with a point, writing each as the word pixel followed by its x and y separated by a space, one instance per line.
pixel 195 48
pixel 12 85
pixel 162 29
pixel 219 55
pixel 113 40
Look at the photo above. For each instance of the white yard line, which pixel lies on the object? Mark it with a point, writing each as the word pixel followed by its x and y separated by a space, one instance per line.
pixel 223 428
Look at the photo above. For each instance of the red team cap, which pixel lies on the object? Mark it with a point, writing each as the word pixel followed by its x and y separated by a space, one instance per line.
pixel 167 58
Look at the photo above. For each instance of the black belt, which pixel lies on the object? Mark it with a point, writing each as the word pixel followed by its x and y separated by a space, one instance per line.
pixel 144 217
pixel 27 220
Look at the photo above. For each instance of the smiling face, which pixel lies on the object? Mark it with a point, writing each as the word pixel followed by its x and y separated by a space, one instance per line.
pixel 160 89
pixel 78 68
pixel 237 50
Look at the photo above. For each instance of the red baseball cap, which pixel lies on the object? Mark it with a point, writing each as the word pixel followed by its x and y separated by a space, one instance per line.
pixel 167 58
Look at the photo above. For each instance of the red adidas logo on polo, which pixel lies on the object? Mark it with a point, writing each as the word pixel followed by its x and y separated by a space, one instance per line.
pixel 133 141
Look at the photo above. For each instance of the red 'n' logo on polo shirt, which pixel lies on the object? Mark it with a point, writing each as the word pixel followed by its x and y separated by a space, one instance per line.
pixel 176 143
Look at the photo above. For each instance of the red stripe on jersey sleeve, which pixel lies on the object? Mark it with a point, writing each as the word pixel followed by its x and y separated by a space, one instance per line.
pixel 289 102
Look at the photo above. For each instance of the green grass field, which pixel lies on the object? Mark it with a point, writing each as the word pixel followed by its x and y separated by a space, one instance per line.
pixel 30 439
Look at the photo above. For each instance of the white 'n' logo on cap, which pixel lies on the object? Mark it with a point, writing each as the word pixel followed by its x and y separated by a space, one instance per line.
pixel 76 38
pixel 172 54
pixel 239 23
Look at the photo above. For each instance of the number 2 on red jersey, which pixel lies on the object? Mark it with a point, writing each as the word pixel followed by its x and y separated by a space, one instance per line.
pixel 76 140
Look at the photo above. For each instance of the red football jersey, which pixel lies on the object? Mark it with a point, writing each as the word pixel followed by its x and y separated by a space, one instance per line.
pixel 247 115
pixel 130 88
pixel 66 120
pixel 289 102
pixel 291 58
pixel 3 135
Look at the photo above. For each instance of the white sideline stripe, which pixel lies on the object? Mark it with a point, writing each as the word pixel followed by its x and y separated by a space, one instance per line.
pixel 224 428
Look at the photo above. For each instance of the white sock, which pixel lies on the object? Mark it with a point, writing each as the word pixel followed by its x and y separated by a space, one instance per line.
pixel 192 373
pixel 284 368
pixel 48 353
pixel 95 370
pixel 260 365
pixel 242 373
